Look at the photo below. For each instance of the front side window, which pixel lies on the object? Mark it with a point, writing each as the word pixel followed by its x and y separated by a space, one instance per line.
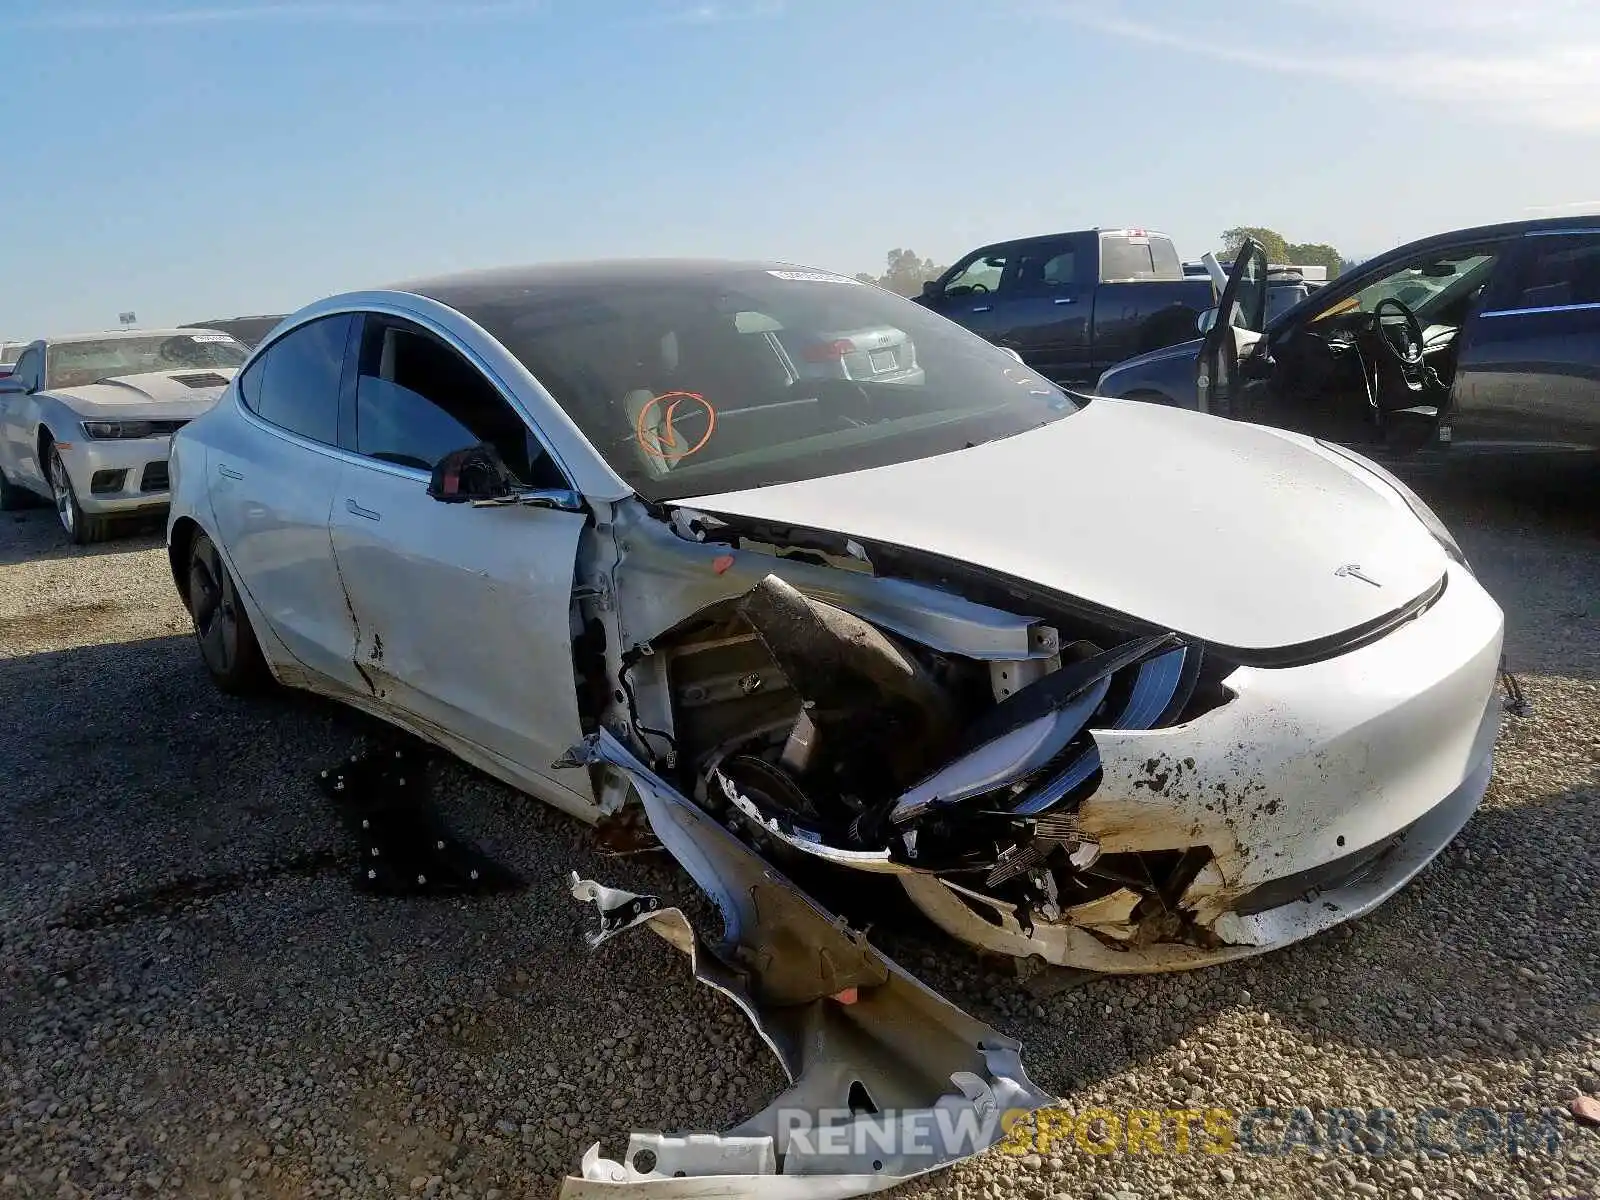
pixel 79 363
pixel 1427 286
pixel 295 382
pixel 27 368
pixel 977 277
pixel 741 377
pixel 417 400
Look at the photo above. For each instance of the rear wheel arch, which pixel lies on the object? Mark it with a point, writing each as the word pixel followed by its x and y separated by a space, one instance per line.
pixel 179 543
pixel 228 646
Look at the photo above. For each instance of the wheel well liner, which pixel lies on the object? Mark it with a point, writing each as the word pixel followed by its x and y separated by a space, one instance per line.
pixel 178 543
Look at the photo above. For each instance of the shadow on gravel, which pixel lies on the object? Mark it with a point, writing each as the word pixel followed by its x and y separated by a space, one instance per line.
pixel 34 535
pixel 123 768
pixel 1553 499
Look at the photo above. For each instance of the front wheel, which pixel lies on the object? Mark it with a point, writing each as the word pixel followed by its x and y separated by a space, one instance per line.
pixel 228 644
pixel 81 528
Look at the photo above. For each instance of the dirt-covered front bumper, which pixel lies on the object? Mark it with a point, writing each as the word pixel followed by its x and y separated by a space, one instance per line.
pixel 1315 793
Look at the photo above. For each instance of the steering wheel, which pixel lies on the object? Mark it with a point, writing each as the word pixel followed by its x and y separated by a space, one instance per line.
pixel 1409 352
pixel 977 288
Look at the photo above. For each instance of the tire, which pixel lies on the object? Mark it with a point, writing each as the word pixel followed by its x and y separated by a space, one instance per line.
pixel 82 529
pixel 228 645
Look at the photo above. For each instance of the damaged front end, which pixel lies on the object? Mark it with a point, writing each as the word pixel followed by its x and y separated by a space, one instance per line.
pixel 887 1079
pixel 824 735
pixel 1044 779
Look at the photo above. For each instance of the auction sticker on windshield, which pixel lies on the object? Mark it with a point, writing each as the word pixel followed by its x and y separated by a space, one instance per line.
pixel 814 277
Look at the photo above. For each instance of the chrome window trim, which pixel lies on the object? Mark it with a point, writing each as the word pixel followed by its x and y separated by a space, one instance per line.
pixel 1552 308
pixel 1562 232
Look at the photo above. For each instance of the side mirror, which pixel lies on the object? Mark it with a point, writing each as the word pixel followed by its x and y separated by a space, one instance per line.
pixel 479 476
pixel 931 289
pixel 1206 320
pixel 10 385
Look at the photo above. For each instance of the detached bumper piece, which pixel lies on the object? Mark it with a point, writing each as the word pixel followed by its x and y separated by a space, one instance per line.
pixel 888 1080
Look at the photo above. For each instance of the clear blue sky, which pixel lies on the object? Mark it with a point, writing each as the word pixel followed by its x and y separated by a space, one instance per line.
pixel 197 158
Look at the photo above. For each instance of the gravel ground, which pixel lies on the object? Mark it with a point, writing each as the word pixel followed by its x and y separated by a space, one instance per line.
pixel 196 1003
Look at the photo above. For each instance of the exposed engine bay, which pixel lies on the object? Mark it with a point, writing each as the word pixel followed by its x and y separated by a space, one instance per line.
pixel 820 734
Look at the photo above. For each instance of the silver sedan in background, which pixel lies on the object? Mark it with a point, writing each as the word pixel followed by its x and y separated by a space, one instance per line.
pixel 86 422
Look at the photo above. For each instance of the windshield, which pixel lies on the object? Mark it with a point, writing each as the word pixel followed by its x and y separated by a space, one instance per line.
pixel 700 383
pixel 1424 287
pixel 76 364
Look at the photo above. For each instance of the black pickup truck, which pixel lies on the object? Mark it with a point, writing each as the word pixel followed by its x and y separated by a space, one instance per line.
pixel 1071 304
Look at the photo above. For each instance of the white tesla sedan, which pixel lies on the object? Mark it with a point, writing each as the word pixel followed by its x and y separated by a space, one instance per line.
pixel 1119 686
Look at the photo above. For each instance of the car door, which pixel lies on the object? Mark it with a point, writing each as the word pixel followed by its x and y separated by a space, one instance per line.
pixel 272 476
pixel 969 293
pixel 1047 304
pixel 19 423
pixel 1528 373
pixel 463 613
pixel 1235 328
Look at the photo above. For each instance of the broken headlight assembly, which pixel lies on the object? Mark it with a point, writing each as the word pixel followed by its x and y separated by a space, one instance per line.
pixel 1414 502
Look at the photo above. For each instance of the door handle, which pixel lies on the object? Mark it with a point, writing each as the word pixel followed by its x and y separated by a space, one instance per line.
pixel 984 308
pixel 228 472
pixel 355 510
pixel 1066 300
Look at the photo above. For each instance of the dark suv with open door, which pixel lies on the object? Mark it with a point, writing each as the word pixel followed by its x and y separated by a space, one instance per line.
pixel 1474 345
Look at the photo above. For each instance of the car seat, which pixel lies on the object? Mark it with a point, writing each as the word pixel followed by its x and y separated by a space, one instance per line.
pixel 655 360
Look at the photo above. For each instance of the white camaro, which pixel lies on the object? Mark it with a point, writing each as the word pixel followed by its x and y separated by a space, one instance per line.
pixel 85 422
pixel 1123 687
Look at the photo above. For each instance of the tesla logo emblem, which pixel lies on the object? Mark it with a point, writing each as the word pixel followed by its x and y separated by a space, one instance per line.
pixel 1353 571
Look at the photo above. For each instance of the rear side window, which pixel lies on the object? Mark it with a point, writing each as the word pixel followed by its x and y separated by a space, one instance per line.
pixel 417 400
pixel 1558 272
pixel 1048 267
pixel 1164 257
pixel 295 383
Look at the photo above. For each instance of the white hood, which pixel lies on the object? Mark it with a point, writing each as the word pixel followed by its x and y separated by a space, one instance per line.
pixel 1227 532
pixel 178 394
